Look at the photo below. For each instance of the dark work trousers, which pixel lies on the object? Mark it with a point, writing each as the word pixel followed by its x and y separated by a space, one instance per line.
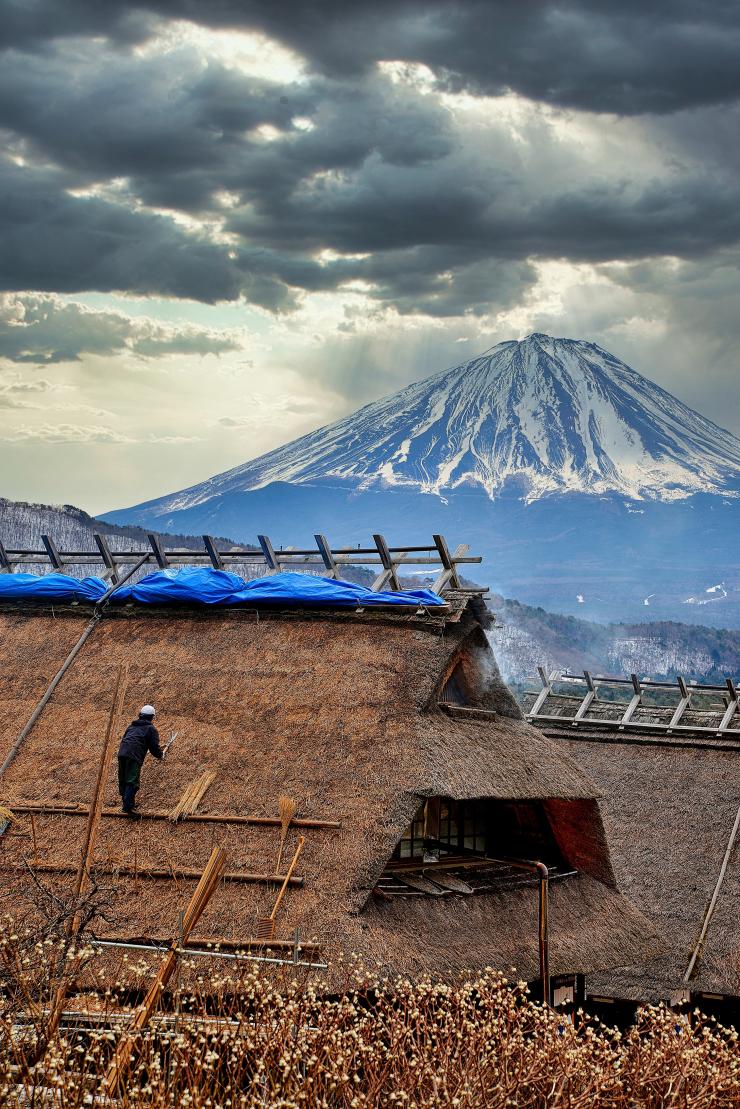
pixel 129 776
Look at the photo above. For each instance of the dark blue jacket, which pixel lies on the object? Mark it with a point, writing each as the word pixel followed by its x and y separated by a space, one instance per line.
pixel 140 736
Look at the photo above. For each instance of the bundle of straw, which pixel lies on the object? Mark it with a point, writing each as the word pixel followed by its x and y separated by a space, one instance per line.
pixel 286 810
pixel 192 796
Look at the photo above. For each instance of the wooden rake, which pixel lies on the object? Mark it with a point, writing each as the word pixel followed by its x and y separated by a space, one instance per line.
pixel 266 924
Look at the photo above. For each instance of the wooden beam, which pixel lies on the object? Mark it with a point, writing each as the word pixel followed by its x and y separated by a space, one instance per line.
pixel 149 814
pixel 51 549
pixel 732 708
pixel 449 564
pixel 683 704
pixel 634 703
pixel 107 557
pixel 587 701
pixel 387 575
pixel 330 563
pixel 158 550
pixel 272 560
pixel 547 683
pixel 210 544
pixel 184 874
pixel 6 567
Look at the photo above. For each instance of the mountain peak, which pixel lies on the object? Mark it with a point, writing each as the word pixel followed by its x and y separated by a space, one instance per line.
pixel 546 415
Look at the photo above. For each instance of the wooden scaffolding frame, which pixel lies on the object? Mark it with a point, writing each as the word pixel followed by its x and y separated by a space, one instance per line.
pixel 266 559
pixel 727 715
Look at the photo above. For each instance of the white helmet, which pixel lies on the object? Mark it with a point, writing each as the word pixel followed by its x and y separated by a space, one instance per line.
pixel 148 710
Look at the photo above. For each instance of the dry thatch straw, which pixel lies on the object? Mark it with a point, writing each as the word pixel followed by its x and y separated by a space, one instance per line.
pixel 192 795
pixel 286 809
pixel 6 815
pixel 307 676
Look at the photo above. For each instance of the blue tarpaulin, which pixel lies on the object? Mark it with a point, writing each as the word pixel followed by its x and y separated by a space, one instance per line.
pixel 50 587
pixel 205 586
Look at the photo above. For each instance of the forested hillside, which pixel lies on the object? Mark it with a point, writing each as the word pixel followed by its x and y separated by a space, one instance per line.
pixel 528 637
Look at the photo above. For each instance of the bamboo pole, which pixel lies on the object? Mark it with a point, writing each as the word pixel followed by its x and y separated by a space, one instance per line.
pixel 82 877
pixel 154 814
pixel 160 874
pixel 87 853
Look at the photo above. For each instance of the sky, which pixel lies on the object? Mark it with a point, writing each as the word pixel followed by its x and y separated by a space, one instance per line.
pixel 224 224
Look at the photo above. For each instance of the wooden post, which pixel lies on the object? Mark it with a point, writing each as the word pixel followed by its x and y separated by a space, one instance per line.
pixel 387 575
pixel 449 571
pixel 732 707
pixel 547 683
pixel 332 568
pixel 5 563
pixel 697 952
pixel 683 704
pixel 158 549
pixel 87 853
pixel 585 704
pixel 634 703
pixel 273 563
pixel 210 544
pixel 51 549
pixel 111 570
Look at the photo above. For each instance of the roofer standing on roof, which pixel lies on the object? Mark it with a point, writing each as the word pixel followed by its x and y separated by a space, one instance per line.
pixel 140 736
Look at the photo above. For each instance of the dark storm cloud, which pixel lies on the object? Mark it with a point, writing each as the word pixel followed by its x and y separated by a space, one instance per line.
pixel 379 176
pixel 54 241
pixel 627 57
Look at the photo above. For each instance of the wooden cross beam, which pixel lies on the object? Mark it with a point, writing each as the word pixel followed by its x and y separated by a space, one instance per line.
pixel 585 704
pixel 731 709
pixel 210 544
pixel 544 692
pixel 683 704
pixel 273 562
pixel 388 575
pixel 449 565
pixel 634 703
pixel 51 549
pixel 158 550
pixel 332 567
pixel 111 570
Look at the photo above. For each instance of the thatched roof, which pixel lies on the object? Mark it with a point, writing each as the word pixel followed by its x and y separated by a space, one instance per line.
pixel 337 710
pixel 669 804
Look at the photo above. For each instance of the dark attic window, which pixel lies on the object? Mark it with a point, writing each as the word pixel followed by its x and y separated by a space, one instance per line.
pixel 443 828
pixel 453 691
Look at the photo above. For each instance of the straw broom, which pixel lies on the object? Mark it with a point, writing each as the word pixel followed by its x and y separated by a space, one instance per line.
pixel 286 810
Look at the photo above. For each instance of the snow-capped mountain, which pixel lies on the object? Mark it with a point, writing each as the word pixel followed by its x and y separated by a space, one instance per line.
pixel 556 415
pixel 586 487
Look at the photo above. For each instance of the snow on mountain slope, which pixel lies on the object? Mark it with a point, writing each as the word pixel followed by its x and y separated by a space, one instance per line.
pixel 556 415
